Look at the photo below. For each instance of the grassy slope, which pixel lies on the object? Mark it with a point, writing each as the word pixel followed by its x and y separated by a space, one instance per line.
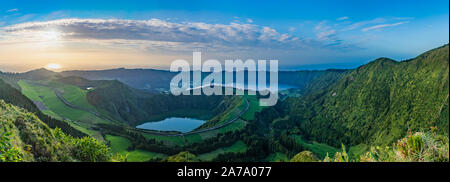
pixel 119 145
pixel 253 109
pixel 81 120
pixel 238 147
pixel 34 141
pixel 320 149
pixel 33 138
pixel 73 94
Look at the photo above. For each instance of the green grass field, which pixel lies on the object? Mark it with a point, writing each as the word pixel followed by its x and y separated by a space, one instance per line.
pixel 238 147
pixel 319 149
pixel 119 145
pixel 80 120
pixel 253 109
pixel 143 156
pixel 73 94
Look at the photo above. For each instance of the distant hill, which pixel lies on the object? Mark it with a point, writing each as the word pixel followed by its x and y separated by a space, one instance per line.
pixel 147 79
pixel 38 74
pixel 150 79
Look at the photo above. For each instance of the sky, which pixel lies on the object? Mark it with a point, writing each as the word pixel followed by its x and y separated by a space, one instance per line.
pixel 68 35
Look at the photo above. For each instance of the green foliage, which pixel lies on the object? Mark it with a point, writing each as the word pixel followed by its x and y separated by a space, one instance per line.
pixel 182 157
pixel 24 137
pixel 88 149
pixel 8 153
pixel 339 156
pixel 417 147
pixel 305 156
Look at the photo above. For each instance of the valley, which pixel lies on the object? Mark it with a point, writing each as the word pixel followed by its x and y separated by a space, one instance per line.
pixel 131 111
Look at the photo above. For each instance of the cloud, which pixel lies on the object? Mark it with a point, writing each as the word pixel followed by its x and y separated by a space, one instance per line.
pixel 327 34
pixel 158 35
pixel 383 26
pixel 362 23
pixel 342 18
pixel 25 17
pixel 12 10
pixel 249 20
pixel 320 25
pixel 404 18
pixel 157 30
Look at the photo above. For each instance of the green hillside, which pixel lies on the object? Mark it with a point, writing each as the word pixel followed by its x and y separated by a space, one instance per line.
pixel 13 96
pixel 24 137
pixel 377 103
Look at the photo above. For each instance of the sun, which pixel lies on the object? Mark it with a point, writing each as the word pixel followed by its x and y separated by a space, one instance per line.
pixel 50 35
pixel 53 66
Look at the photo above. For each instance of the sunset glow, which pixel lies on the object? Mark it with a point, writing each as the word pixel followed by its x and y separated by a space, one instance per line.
pixel 53 66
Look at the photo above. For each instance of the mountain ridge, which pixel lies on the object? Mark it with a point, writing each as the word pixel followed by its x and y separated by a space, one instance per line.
pixel 396 94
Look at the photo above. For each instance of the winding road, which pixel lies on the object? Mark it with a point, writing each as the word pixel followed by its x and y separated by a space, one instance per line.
pixel 60 97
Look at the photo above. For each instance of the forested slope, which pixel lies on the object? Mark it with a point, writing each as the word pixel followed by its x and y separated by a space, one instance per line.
pixel 377 103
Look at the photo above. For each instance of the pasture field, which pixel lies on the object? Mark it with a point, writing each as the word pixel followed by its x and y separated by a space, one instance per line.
pixel 319 149
pixel 143 156
pixel 119 145
pixel 73 94
pixel 238 147
pixel 253 109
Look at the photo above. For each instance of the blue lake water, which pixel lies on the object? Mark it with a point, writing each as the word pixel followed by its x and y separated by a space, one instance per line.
pixel 173 124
